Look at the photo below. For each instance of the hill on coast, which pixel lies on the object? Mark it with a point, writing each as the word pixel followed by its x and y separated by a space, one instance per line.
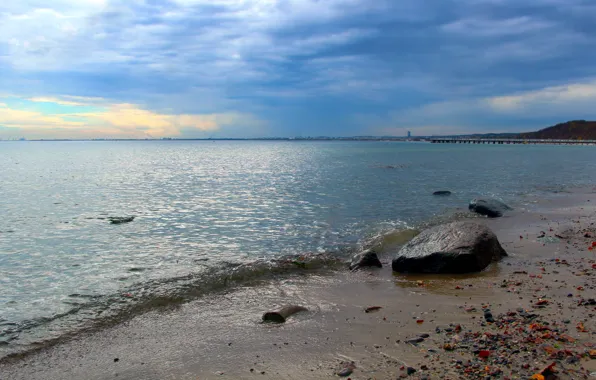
pixel 571 130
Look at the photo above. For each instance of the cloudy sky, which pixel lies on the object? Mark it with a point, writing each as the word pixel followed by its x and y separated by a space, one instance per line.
pixel 248 68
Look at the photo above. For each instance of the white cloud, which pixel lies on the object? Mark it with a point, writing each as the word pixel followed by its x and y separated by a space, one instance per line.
pixel 576 96
pixel 68 36
pixel 486 27
pixel 463 116
pixel 42 99
pixel 118 120
pixel 10 117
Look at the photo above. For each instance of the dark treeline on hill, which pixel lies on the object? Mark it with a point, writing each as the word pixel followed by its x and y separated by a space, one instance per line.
pixel 571 130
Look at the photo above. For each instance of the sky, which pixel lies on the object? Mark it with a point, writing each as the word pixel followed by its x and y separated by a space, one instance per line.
pixel 286 68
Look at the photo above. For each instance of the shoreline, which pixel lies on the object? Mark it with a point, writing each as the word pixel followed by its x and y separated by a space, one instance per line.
pixel 220 335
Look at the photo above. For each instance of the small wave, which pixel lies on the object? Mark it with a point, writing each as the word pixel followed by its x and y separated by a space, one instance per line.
pixel 389 241
pixel 89 312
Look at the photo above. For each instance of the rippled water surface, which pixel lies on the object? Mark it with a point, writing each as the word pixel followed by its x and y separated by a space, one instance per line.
pixel 202 208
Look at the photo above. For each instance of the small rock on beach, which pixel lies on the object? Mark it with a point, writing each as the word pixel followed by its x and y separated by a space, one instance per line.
pixel 489 207
pixel 367 258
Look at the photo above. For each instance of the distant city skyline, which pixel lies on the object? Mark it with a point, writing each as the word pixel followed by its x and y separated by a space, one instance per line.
pixel 285 68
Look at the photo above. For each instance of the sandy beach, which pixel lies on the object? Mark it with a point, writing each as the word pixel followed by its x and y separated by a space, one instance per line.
pixel 427 327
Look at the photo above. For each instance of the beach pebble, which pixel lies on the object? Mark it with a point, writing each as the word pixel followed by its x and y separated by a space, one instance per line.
pixel 488 316
pixel 372 308
pixel 345 372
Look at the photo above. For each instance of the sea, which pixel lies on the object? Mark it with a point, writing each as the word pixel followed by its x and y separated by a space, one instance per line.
pixel 209 215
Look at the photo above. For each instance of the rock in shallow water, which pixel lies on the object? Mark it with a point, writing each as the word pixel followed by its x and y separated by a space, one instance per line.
pixel 457 247
pixel 442 192
pixel 489 207
pixel 367 258
pixel 121 219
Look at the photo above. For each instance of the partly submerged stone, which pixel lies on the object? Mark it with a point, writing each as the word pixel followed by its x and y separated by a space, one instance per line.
pixel 490 207
pixel 457 247
pixel 367 258
pixel 442 192
pixel 121 219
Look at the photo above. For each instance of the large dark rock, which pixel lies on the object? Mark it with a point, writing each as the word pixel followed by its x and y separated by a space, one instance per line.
pixel 367 258
pixel 442 192
pixel 489 207
pixel 457 247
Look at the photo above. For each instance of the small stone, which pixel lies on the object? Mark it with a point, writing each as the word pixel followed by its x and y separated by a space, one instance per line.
pixel 572 360
pixel 345 372
pixel 120 219
pixel 410 370
pixel 489 317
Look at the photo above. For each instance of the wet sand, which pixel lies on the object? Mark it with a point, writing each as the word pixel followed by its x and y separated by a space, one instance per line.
pixel 221 337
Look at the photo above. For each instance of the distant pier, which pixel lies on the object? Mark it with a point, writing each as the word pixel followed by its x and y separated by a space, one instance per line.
pixel 445 140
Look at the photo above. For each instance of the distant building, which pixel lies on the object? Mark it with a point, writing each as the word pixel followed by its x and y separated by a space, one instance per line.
pixel 409 134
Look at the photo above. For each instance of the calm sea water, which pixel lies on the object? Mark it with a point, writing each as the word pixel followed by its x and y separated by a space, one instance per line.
pixel 204 208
